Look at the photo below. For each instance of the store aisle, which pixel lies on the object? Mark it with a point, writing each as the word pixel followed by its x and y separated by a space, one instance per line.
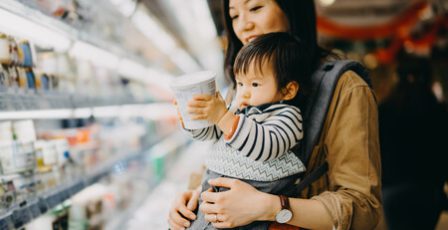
pixel 154 211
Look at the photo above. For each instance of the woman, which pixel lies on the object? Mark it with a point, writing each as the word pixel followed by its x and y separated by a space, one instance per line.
pixel 348 196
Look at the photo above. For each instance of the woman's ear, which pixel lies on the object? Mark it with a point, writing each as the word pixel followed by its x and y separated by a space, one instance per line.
pixel 291 90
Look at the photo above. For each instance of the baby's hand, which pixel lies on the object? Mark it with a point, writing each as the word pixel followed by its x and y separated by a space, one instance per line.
pixel 207 107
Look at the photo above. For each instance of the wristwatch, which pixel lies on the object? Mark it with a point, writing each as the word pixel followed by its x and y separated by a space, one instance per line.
pixel 285 214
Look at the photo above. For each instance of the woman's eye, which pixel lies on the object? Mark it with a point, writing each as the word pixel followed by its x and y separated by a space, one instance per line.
pixel 254 84
pixel 240 84
pixel 233 17
pixel 254 9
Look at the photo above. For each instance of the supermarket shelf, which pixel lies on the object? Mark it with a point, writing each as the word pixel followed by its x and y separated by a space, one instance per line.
pixel 153 211
pixel 26 211
pixel 47 31
pixel 60 28
pixel 168 154
pixel 20 101
pixel 153 111
pixel 23 213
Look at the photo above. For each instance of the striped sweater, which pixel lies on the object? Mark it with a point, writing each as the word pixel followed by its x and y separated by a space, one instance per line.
pixel 260 147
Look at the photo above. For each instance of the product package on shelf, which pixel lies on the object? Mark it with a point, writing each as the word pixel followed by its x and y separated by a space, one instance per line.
pixel 77 121
pixel 17 153
pixel 33 79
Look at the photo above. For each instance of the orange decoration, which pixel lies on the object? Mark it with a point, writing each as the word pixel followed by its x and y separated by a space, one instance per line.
pixel 399 29
pixel 401 24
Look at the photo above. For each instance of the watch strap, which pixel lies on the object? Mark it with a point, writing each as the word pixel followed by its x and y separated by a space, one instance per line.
pixel 284 201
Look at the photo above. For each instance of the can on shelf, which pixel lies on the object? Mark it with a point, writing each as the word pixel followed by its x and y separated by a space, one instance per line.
pixel 26 58
pixel 5 50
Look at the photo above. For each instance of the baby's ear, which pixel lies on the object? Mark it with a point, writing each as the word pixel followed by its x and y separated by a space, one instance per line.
pixel 291 90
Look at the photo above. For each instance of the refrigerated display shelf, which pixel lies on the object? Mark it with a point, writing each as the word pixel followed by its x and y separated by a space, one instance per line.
pixel 171 147
pixel 28 210
pixel 108 52
pixel 13 101
pixel 146 110
pixel 23 213
pixel 61 28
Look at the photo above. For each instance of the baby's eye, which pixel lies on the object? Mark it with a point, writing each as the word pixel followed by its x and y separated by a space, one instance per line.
pixel 255 84
pixel 239 83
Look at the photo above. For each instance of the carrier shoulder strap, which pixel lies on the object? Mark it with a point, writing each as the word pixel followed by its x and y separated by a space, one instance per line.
pixel 323 84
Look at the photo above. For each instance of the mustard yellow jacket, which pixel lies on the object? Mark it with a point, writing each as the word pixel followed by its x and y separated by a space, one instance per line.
pixel 351 189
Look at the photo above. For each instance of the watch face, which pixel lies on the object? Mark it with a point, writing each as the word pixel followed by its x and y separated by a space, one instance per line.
pixel 283 216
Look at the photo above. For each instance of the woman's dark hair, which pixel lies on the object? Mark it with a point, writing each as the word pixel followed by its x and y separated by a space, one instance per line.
pixel 287 55
pixel 301 16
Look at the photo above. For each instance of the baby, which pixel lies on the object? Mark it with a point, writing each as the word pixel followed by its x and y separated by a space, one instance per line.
pixel 254 143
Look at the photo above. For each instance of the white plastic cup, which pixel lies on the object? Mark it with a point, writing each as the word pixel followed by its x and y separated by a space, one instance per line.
pixel 185 87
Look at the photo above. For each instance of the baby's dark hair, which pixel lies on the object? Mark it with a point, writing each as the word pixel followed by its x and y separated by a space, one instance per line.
pixel 288 55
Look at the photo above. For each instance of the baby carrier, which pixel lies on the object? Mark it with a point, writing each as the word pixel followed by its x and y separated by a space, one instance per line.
pixel 323 84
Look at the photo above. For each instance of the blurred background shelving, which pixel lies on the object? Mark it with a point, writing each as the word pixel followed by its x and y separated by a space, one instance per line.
pixel 88 136
pixel 86 117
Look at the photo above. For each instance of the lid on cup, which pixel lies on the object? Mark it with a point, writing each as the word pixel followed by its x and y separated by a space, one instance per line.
pixel 192 79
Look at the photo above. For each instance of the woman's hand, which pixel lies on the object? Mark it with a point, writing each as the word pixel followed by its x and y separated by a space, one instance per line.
pixel 181 212
pixel 207 107
pixel 239 206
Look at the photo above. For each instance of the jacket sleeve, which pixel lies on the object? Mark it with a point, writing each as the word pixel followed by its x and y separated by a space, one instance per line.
pixel 268 139
pixel 353 197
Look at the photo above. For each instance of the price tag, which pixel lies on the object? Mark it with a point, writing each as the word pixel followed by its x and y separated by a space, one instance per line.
pixel 33 102
pixel 24 102
pixel 77 187
pixel 10 101
pixel 64 194
pixel 5 222
pixel 43 206
pixel 34 209
pixel 20 217
pixel 17 102
pixel 52 101
pixel 3 103
pixel 52 200
pixel 44 102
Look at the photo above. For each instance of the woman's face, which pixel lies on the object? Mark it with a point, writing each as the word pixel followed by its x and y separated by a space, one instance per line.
pixel 252 18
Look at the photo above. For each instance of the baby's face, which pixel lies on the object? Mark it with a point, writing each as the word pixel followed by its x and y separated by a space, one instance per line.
pixel 257 87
